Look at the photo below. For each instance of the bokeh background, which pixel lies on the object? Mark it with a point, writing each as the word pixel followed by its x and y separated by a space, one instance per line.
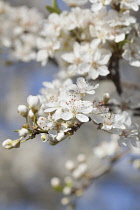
pixel 25 172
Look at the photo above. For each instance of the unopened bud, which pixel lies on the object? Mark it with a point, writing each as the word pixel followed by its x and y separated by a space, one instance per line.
pixel 60 136
pixel 23 132
pixel 55 182
pixel 43 137
pixel 80 171
pixel 67 190
pixel 7 144
pixel 65 201
pixel 34 103
pixel 69 165
pixel 23 110
pixel 81 158
pixel 68 180
pixel 16 143
pixel 31 114
pixel 106 98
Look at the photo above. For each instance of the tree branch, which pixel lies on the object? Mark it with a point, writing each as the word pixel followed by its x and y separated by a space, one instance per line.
pixel 114 71
pixel 102 172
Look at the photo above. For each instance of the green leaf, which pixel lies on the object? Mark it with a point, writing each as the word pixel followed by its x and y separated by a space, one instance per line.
pixel 55 4
pixel 121 44
pixel 16 130
pixel 54 8
pixel 58 188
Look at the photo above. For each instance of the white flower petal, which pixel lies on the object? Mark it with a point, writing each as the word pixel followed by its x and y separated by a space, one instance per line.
pixel 135 141
pixel 135 63
pixel 96 6
pixel 66 116
pixel 119 38
pixel 93 74
pixel 82 118
pixel 50 109
pixel 68 57
pixel 103 70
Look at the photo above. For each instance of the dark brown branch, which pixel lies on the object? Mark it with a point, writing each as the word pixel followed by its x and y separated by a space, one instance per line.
pixel 53 61
pixel 114 71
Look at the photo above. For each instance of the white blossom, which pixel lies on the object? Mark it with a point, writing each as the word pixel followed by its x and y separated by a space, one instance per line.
pixel 46 123
pixel 75 108
pixel 106 149
pixel 82 42
pixel 87 60
pixel 73 3
pixel 99 4
pixel 132 52
pixel 83 87
pixel 46 49
pixel 130 4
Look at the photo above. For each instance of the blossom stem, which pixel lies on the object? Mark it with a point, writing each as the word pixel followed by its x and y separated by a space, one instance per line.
pixel 27 124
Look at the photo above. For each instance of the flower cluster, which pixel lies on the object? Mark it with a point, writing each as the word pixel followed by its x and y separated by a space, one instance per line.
pixel 132 52
pixel 73 3
pixel 62 109
pixel 72 185
pixel 85 40
pixel 87 44
pixel 82 39
pixel 123 4
pixel 20 30
pixel 79 172
pixel 83 171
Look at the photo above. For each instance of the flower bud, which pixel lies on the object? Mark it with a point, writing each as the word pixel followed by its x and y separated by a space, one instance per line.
pixel 55 182
pixel 69 165
pixel 34 103
pixel 43 137
pixel 65 201
pixel 61 136
pixel 16 143
pixel 81 158
pixel 23 132
pixel 67 190
pixel 7 144
pixel 52 139
pixel 106 98
pixel 23 110
pixel 80 171
pixel 31 114
pixel 68 180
